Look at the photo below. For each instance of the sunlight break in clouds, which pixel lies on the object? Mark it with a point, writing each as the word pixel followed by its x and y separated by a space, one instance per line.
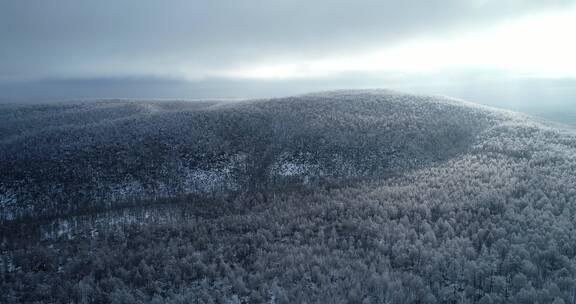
pixel 539 46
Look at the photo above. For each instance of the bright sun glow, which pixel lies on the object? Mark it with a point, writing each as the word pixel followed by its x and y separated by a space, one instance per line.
pixel 537 46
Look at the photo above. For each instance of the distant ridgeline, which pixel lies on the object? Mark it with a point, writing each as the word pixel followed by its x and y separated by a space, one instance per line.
pixel 66 158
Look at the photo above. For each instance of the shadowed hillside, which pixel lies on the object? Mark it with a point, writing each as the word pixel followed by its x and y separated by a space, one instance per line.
pixel 60 159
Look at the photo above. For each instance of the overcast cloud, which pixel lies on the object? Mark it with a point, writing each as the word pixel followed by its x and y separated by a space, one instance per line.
pixel 112 38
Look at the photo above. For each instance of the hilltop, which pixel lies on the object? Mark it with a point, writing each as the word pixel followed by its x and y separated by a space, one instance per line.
pixel 63 158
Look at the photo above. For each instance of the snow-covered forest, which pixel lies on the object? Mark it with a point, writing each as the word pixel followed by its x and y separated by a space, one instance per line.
pixel 72 157
pixel 338 197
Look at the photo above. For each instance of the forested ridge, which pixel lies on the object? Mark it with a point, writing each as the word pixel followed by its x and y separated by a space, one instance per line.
pixel 477 206
pixel 64 158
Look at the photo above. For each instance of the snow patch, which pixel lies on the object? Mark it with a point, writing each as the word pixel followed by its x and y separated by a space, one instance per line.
pixel 7 197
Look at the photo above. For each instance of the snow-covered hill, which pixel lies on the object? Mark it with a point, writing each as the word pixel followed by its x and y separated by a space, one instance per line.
pixel 338 197
pixel 65 158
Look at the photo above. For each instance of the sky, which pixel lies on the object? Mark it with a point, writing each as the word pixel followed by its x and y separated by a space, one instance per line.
pixel 516 54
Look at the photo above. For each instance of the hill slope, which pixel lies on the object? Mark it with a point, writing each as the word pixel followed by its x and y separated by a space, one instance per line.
pixel 59 159
pixel 451 203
